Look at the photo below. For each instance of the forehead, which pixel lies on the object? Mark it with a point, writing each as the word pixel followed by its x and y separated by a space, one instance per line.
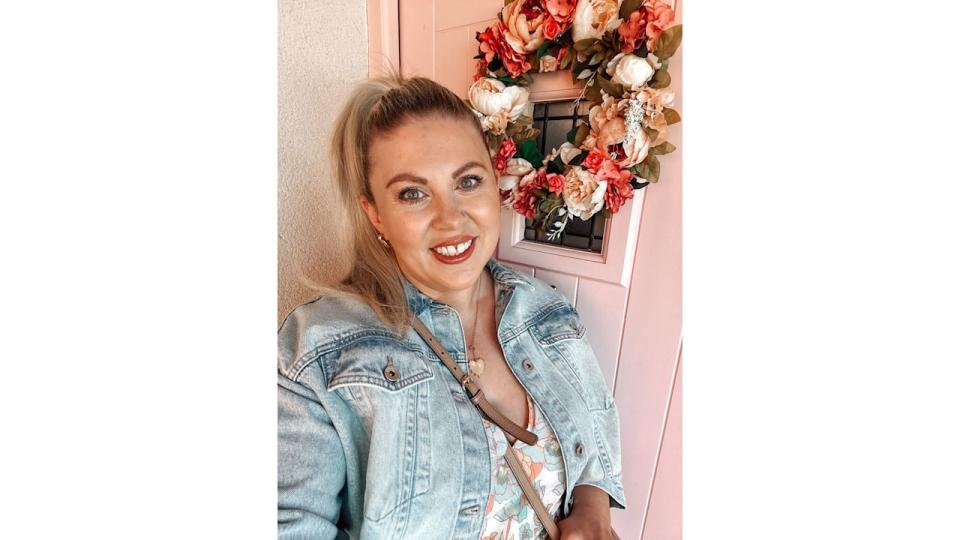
pixel 426 145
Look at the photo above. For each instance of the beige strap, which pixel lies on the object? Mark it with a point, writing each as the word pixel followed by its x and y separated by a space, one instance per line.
pixel 476 394
pixel 530 493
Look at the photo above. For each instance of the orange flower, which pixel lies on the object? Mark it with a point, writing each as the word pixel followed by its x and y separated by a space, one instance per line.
pixel 633 31
pixel 493 43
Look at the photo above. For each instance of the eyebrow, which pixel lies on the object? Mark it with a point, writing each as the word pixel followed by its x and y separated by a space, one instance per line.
pixel 421 180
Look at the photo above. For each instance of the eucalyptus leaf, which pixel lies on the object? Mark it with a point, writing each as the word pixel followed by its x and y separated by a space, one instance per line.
pixel 671 116
pixel 651 133
pixel 611 88
pixel 662 148
pixel 661 79
pixel 654 165
pixel 668 42
pixel 584 74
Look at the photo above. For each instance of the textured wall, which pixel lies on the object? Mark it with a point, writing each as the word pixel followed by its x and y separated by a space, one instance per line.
pixel 322 51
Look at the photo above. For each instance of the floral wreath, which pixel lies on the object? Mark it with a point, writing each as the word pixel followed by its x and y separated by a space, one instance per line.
pixel 621 49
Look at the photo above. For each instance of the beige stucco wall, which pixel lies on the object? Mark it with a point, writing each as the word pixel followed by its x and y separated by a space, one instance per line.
pixel 322 51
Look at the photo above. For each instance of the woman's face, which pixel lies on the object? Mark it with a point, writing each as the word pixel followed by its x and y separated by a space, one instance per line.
pixel 436 201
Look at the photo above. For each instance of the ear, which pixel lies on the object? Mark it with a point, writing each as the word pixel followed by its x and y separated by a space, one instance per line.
pixel 373 215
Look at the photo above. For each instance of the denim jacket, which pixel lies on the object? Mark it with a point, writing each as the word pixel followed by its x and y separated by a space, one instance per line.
pixel 364 456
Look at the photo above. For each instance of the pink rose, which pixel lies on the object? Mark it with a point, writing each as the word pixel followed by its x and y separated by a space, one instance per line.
pixel 659 16
pixel 555 183
pixel 523 25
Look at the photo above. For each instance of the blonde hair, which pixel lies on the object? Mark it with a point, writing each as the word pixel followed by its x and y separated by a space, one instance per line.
pixel 375 107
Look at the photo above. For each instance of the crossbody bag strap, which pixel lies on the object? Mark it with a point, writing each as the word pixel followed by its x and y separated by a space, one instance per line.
pixel 513 431
pixel 476 394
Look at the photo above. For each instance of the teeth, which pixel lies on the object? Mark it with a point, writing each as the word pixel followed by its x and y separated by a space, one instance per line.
pixel 450 251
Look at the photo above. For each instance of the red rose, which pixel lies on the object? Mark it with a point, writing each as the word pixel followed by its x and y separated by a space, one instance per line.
pixel 555 183
pixel 526 204
pixel 594 160
pixel 551 28
pixel 481 70
pixel 507 148
pixel 617 193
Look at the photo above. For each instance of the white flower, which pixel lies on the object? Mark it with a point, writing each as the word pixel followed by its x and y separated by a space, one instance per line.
pixel 595 17
pixel 583 193
pixel 548 63
pixel 630 70
pixel 636 149
pixel 517 168
pixel 490 97
pixel 568 152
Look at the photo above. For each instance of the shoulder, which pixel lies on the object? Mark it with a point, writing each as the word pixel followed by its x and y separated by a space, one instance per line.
pixel 534 300
pixel 322 325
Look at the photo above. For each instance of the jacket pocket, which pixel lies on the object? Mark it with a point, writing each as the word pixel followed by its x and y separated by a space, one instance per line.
pixel 386 383
pixel 562 336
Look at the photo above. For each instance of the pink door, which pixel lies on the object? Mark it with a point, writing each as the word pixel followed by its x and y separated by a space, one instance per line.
pixel 628 292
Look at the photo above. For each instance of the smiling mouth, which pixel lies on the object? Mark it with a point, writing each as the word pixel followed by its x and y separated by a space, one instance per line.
pixel 454 249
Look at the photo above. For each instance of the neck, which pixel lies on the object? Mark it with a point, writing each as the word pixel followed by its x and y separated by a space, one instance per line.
pixel 464 301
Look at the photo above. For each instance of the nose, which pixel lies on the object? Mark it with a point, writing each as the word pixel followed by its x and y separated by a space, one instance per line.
pixel 449 212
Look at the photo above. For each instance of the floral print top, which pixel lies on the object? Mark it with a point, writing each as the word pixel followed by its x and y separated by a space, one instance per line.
pixel 508 515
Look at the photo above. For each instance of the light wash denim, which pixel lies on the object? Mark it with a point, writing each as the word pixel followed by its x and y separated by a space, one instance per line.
pixel 362 456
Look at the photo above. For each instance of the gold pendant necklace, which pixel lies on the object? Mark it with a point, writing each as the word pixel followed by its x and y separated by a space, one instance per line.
pixel 475 363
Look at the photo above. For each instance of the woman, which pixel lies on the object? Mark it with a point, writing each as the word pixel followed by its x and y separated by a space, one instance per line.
pixel 377 436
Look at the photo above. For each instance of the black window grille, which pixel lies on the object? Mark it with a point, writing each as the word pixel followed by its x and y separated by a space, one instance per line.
pixel 554 120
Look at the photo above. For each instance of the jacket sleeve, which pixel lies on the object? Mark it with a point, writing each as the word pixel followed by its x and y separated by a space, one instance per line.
pixel 311 466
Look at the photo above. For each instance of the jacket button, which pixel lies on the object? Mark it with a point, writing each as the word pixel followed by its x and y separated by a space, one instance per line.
pixel 527 364
pixel 579 450
pixel 391 372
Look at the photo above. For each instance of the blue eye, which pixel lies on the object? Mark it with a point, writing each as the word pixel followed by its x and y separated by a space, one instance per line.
pixel 411 195
pixel 470 182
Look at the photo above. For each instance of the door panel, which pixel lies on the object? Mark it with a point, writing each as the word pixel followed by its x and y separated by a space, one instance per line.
pixel 628 295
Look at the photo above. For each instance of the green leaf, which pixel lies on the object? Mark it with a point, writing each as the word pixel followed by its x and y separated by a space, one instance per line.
pixel 567 60
pixel 628 7
pixel 661 79
pixel 671 116
pixel 651 133
pixel 572 135
pixel 662 148
pixel 531 152
pixel 584 44
pixel 582 133
pixel 543 49
pixel 611 88
pixel 668 42
pixel 654 165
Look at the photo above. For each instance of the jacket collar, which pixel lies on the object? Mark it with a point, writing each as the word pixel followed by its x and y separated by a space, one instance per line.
pixel 505 280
